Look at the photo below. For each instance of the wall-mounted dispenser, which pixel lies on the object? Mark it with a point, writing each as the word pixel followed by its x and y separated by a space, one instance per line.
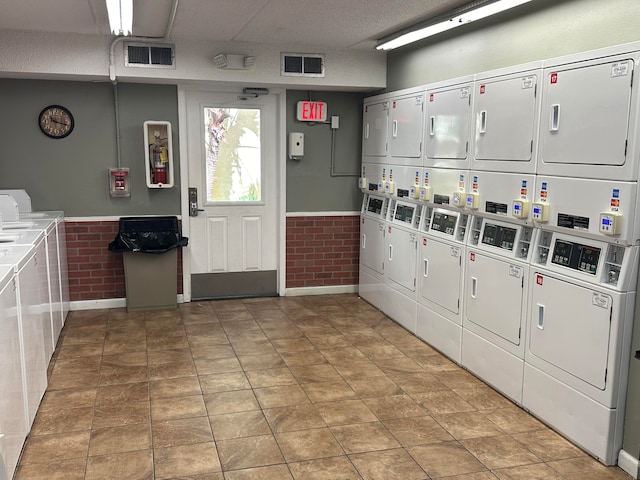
pixel 158 154
pixel 119 184
pixel 296 145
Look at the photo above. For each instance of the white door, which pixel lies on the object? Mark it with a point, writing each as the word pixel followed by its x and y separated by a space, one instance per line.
pixel 234 168
pixel 440 273
pixel 406 130
pixel 400 257
pixel 372 244
pixel 375 126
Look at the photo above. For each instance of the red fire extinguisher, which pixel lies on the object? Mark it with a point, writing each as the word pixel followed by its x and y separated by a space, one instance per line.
pixel 159 168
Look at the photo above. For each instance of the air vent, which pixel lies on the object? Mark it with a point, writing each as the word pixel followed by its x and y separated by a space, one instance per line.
pixel 302 64
pixel 149 55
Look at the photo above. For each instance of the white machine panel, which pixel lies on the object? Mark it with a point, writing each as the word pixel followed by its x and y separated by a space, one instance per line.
pixel 372 288
pixel 506 107
pixel 400 257
pixel 406 181
pixel 588 108
pixel 575 206
pixel 500 194
pixel 375 126
pixel 494 296
pixel 372 172
pixel 13 425
pixel 405 139
pixel 584 322
pixel 439 273
pixel 446 186
pixel 372 246
pixel 448 123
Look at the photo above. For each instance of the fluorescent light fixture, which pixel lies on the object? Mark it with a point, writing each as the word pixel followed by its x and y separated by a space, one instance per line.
pixel 120 16
pixel 453 22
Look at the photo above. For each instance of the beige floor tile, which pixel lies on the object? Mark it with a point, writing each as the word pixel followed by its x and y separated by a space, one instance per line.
pixel 185 461
pixel 63 420
pixel 380 386
pixel 124 413
pixel 261 362
pixel 172 370
pixel 281 396
pixel 513 420
pixel 271 377
pixel 249 452
pixel 211 352
pixel 239 425
pixel 125 438
pixel 224 382
pixel 300 359
pixel 182 431
pixel 212 366
pixel 315 373
pixel 414 431
pixel 548 445
pixel 446 459
pixel 65 470
pixel 364 437
pixel 499 452
pixel 73 398
pixel 257 347
pixel 329 391
pixel 335 468
pixel 467 425
pixel 442 402
pixel 528 472
pixel 387 464
pixel 129 392
pixel 274 472
pixel 178 407
pixel 175 387
pixel 359 369
pixel 308 444
pixel 345 355
pixel 55 448
pixel 345 412
pixel 231 402
pixel 483 398
pixel 586 467
pixel 395 406
pixel 292 418
pixel 292 344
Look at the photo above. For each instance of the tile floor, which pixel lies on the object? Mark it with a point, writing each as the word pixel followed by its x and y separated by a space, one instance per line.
pixel 298 388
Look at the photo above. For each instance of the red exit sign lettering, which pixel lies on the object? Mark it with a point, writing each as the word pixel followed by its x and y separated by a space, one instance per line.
pixel 312 111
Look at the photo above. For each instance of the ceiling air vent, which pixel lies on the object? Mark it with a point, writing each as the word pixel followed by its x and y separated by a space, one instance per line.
pixel 302 64
pixel 149 55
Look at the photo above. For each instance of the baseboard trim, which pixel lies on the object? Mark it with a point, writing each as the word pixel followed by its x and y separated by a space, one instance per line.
pixel 629 464
pixel 105 303
pixel 323 290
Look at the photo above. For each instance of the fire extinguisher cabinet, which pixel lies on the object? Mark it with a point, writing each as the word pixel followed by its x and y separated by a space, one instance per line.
pixel 158 153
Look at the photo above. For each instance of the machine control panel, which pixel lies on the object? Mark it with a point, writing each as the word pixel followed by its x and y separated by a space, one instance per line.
pixel 540 212
pixel 374 205
pixel 404 213
pixel 362 183
pixel 424 193
pixel 472 200
pixel 610 223
pixel 499 236
pixel 520 209
pixel 389 187
pixel 414 192
pixel 444 222
pixel 458 199
pixel 577 256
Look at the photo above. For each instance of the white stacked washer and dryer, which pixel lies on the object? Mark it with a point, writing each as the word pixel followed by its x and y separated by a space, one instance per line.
pixel 34 297
pixel 526 209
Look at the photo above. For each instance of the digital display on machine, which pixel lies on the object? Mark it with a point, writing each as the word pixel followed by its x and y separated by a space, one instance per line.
pixel 375 205
pixel 444 222
pixel 574 255
pixel 499 236
pixel 404 213
pixel 441 199
pixel 493 207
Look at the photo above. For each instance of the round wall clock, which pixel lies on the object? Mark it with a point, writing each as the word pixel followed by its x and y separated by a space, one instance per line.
pixel 56 121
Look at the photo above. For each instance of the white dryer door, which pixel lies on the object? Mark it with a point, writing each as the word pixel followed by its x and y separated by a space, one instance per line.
pixel 494 292
pixel 372 244
pixel 400 257
pixel 569 327
pixel 439 273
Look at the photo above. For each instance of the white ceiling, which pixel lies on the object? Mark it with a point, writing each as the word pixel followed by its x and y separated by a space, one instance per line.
pixel 329 24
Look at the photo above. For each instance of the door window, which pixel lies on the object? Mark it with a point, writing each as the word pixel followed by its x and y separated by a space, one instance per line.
pixel 232 146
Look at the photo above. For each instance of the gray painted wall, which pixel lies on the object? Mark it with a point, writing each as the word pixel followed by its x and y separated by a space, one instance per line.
pixel 544 29
pixel 548 28
pixel 310 186
pixel 70 174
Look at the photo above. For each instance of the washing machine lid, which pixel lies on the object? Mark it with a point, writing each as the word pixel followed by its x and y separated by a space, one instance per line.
pixel 43 215
pixel 16 255
pixel 29 224
pixel 20 237
pixel 6 274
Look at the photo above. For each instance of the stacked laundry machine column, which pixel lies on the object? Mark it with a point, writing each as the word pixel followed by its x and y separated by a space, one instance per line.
pixel 506 106
pixel 444 229
pixel 392 170
pixel 585 259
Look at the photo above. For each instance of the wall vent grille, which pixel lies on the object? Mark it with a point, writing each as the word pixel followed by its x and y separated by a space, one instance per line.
pixel 302 64
pixel 149 55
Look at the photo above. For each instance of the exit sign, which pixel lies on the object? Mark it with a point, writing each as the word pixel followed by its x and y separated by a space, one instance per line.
pixel 312 111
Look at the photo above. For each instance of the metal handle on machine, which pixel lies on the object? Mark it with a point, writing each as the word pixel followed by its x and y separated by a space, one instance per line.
pixel 366 131
pixel 555 118
pixel 364 240
pixel 394 129
pixel 432 126
pixel 540 316
pixel 193 202
pixel 390 253
pixel 426 268
pixel 483 121
pixel 474 287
